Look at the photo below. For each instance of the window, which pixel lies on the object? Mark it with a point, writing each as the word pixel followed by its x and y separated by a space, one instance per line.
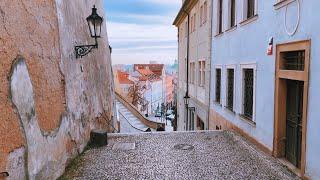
pixel 218 85
pixel 194 22
pixel 251 6
pixel 205 12
pixel 180 34
pixel 232 22
pixel 248 93
pixel 191 25
pixel 201 15
pixel 186 29
pixel 220 14
pixel 230 88
pixel 199 75
pixel 202 73
pixel 192 72
pixel 293 60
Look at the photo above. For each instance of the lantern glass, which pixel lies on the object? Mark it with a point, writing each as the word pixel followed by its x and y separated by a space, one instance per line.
pixel 186 100
pixel 94 23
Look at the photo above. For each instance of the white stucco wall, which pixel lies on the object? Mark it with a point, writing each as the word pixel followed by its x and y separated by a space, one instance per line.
pixel 249 43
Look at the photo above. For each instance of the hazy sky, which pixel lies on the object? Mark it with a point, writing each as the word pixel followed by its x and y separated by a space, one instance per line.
pixel 141 30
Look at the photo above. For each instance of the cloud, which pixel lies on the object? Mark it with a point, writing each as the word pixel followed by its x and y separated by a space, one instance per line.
pixel 164 2
pixel 139 37
pixel 142 18
pixel 123 31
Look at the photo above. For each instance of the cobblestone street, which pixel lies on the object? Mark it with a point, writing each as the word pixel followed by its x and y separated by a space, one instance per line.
pixel 184 155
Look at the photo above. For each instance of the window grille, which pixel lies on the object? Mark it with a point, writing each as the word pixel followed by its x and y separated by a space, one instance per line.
pixel 218 85
pixel 230 89
pixel 293 60
pixel 248 93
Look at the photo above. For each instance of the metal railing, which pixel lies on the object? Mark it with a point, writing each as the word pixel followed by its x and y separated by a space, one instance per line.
pixel 104 116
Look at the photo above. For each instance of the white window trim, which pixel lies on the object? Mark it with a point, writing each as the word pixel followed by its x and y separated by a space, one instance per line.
pixel 199 72
pixel 218 66
pixel 234 67
pixel 254 67
pixel 244 8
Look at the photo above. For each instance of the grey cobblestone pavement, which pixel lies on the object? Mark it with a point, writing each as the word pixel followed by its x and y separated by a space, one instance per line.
pixel 185 155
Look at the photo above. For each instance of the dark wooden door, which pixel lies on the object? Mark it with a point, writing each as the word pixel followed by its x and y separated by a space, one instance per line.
pixel 294 121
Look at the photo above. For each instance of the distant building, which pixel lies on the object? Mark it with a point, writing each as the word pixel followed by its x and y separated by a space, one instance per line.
pixel 169 90
pixel 154 92
pixel 122 82
pixel 194 60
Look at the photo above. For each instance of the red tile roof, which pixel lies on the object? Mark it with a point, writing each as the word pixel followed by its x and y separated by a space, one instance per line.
pixel 123 78
pixel 155 68
pixel 145 72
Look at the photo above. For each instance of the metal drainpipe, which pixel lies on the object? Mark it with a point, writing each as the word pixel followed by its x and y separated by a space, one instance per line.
pixel 188 40
pixel 210 77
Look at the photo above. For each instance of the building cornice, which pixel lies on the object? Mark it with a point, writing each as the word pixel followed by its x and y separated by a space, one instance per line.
pixel 186 7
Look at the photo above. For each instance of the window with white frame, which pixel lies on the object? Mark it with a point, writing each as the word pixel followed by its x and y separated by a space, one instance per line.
pixel 180 33
pixel 250 8
pixel 186 29
pixel 218 75
pixel 205 12
pixel 230 88
pixel 194 21
pixel 248 73
pixel 203 79
pixel 192 73
pixel 201 15
pixel 232 13
pixel 220 16
pixel 202 73
pixel 191 24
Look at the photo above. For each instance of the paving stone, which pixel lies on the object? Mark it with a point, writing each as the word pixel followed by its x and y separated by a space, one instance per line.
pixel 214 155
pixel 124 146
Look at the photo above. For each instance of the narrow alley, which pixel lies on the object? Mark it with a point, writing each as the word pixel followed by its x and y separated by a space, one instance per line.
pixel 159 89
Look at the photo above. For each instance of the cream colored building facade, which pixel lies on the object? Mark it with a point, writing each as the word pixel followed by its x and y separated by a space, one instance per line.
pixel 194 53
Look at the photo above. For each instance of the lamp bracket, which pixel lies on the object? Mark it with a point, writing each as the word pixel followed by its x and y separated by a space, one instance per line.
pixel 84 50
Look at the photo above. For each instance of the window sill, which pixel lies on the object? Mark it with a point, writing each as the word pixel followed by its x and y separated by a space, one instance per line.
pixel 230 111
pixel 219 34
pixel 231 29
pixel 217 103
pixel 249 121
pixel 282 4
pixel 249 20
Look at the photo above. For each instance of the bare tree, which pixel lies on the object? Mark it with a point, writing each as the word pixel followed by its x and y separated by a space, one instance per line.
pixel 136 93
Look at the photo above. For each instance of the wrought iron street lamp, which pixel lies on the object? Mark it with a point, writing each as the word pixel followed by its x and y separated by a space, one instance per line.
pixel 95 25
pixel 186 100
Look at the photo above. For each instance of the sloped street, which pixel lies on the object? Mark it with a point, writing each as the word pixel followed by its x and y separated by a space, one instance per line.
pixel 185 155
